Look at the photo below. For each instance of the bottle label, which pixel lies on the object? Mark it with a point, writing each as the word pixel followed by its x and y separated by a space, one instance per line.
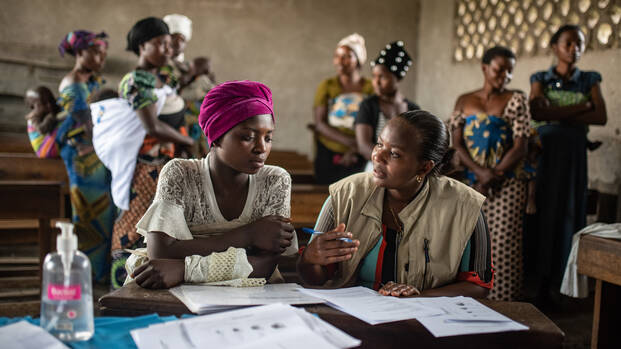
pixel 64 293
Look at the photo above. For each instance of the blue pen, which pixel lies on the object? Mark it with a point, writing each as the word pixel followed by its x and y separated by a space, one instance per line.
pixel 311 231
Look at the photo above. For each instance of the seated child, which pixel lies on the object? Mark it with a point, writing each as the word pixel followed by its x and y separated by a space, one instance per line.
pixel 201 82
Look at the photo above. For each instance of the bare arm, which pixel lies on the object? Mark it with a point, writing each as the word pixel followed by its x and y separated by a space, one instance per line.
pixel 268 234
pixel 364 139
pixel 159 129
pixel 464 155
pixel 597 114
pixel 167 273
pixel 322 127
pixel 541 110
pixel 513 156
pixel 162 246
pixel 263 264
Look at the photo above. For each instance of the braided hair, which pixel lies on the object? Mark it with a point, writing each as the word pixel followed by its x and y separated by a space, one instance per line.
pixel 434 140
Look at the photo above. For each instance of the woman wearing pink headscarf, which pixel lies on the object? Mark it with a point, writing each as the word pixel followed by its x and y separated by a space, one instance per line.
pixel 222 219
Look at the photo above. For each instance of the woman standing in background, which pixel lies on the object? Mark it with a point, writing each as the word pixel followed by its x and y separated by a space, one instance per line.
pixel 162 115
pixel 564 100
pixel 336 105
pixel 490 133
pixel 389 68
pixel 93 212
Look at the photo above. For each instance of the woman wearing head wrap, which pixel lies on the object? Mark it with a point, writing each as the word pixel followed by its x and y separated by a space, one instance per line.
pixel 92 210
pixel 335 109
pixel 161 112
pixel 183 73
pixel 491 127
pixel 227 206
pixel 180 28
pixel 389 68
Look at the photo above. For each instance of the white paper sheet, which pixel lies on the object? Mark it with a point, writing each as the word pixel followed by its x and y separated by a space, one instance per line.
pixel 464 315
pixel 371 307
pixel 269 326
pixel 202 299
pixel 24 335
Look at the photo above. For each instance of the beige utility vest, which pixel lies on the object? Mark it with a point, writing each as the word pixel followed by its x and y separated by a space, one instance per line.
pixel 442 216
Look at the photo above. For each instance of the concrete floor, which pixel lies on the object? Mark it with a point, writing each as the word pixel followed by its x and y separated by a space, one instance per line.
pixel 575 318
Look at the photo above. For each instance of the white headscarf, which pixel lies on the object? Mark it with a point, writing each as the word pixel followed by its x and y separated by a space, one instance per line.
pixel 355 42
pixel 179 24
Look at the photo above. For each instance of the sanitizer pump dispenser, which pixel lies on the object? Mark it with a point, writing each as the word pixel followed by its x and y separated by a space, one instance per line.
pixel 66 293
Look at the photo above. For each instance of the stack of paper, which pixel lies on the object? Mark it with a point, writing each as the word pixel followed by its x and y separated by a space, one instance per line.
pixel 442 316
pixel 269 326
pixel 24 335
pixel 463 315
pixel 371 307
pixel 201 299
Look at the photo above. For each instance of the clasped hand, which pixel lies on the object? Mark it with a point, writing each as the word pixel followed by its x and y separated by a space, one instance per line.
pixel 398 290
pixel 487 179
pixel 271 233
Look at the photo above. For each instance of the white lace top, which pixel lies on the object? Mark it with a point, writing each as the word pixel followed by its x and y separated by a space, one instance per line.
pixel 185 205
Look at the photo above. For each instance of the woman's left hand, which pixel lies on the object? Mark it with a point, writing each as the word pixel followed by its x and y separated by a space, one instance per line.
pixel 160 273
pixel 398 290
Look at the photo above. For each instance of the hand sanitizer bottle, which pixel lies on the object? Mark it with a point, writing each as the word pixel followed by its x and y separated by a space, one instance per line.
pixel 66 293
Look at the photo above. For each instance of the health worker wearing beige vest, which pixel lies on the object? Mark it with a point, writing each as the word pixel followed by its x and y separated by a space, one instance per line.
pixel 413 231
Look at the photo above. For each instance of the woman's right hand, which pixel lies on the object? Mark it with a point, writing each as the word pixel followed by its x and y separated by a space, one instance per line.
pixel 326 249
pixel 485 176
pixel 489 178
pixel 271 233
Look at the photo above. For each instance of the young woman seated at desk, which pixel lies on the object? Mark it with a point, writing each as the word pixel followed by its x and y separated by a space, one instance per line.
pixel 413 230
pixel 222 218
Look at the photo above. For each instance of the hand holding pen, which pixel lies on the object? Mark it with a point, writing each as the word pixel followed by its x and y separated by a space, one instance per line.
pixel 329 247
pixel 314 232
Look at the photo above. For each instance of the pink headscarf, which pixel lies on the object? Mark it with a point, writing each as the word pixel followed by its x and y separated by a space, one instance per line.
pixel 232 102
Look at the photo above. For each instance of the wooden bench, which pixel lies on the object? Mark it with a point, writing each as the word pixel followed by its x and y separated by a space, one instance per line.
pixel 26 166
pixel 40 200
pixel 298 165
pixel 306 203
pixel 11 142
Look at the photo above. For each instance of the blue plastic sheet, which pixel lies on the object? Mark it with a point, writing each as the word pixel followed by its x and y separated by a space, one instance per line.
pixel 110 332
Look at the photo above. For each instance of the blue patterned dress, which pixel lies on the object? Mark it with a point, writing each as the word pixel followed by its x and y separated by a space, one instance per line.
pixel 93 212
pixel 487 139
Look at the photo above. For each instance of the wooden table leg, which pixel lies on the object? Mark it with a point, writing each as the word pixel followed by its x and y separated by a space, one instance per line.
pixel 606 312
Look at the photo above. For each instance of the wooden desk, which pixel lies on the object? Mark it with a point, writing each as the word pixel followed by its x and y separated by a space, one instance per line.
pixel 41 200
pixel 600 259
pixel 133 300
